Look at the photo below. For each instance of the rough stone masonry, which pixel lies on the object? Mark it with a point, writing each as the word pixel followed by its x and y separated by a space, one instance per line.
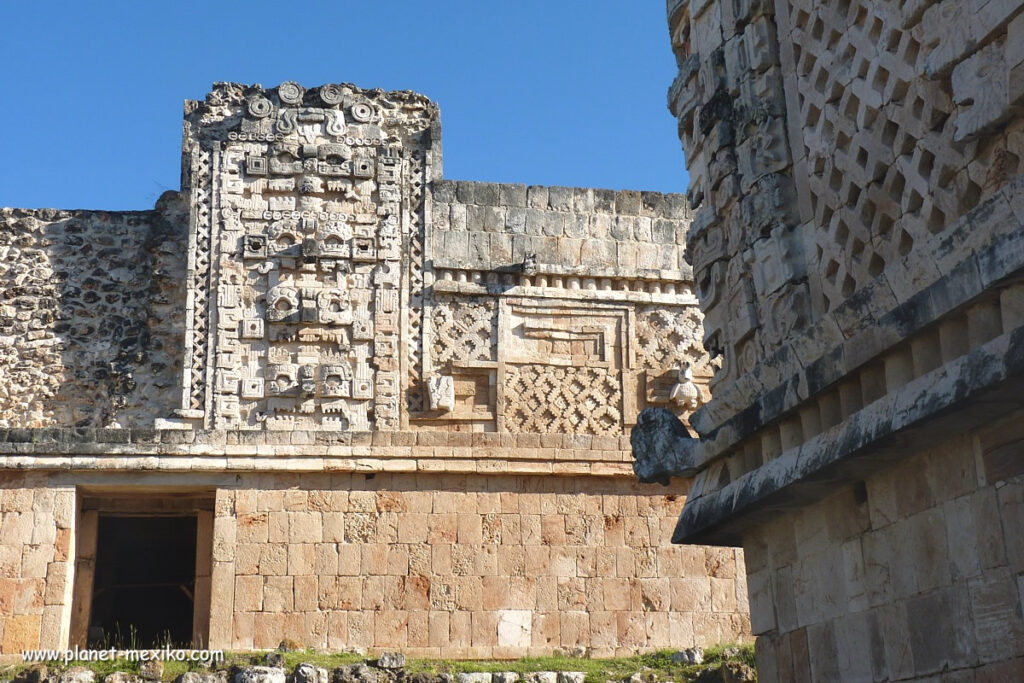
pixel 858 252
pixel 395 406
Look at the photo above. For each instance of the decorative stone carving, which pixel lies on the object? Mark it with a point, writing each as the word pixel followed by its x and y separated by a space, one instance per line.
pixel 315 240
pixel 331 94
pixel 441 389
pixel 464 330
pixel 686 394
pixel 572 400
pixel 668 337
pixel 290 92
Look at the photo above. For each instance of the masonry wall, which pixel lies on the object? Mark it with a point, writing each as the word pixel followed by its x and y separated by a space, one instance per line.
pixel 453 565
pixel 36 556
pixel 465 566
pixel 919 572
pixel 484 226
pixel 91 316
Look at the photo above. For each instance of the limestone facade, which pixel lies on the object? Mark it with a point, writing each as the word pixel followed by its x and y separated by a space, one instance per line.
pixel 397 406
pixel 856 245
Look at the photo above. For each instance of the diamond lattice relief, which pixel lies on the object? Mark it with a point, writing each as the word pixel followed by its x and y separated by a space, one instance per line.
pixel 883 172
pixel 573 400
pixel 668 337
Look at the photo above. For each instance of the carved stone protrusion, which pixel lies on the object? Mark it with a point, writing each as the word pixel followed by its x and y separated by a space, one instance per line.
pixel 441 389
pixel 686 394
pixel 662 447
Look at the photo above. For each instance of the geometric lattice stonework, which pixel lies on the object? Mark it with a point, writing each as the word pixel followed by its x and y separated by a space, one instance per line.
pixel 464 330
pixel 668 337
pixel 883 173
pixel 571 400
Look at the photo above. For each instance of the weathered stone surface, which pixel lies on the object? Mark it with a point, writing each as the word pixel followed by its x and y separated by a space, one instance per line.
pixel 473 678
pixel 77 674
pixel 152 670
pixel 308 673
pixel 354 673
pixel 219 676
pixel 870 338
pixel 123 677
pixel 391 660
pixel 662 447
pixel 317 305
pixel 540 677
pixel 93 316
pixel 693 655
pixel 260 674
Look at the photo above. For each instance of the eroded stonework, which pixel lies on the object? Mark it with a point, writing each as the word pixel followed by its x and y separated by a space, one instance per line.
pixel 312 307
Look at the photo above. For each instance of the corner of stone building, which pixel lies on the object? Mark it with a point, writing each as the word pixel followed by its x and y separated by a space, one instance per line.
pixel 856 255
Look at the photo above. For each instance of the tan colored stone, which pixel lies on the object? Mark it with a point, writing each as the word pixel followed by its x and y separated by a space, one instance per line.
pixel 21 632
pixel 278 594
pixel 248 594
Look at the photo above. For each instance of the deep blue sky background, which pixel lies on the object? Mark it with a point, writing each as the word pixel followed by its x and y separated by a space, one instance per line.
pixel 555 92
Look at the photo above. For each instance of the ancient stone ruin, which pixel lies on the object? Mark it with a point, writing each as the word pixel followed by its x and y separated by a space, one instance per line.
pixel 323 394
pixel 858 247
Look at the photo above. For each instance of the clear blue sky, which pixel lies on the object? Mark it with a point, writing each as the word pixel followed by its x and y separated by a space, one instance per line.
pixel 555 92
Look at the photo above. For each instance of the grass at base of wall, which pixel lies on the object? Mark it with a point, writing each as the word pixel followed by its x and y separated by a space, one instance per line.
pixel 655 666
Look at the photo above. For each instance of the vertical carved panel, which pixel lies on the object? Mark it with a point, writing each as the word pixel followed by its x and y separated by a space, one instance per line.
pixel 194 398
pixel 417 239
pixel 316 206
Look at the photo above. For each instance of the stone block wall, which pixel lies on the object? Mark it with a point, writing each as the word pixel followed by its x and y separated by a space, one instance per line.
pixel 918 572
pixel 857 251
pixel 91 316
pixel 37 522
pixel 465 566
pixel 433 564
pixel 489 226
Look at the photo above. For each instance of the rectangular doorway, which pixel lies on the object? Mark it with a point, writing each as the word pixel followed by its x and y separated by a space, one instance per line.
pixel 143 569
pixel 144 584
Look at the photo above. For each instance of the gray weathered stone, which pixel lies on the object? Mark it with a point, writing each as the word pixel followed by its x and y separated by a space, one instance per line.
pixel 260 674
pixel 308 673
pixel 662 447
pixel 391 660
pixel 477 677
pixel 79 674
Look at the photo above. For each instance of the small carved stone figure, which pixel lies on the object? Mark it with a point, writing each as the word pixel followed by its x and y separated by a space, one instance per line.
pixel 685 393
pixel 441 389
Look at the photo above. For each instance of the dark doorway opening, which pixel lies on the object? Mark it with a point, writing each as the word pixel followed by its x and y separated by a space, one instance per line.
pixel 144 583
